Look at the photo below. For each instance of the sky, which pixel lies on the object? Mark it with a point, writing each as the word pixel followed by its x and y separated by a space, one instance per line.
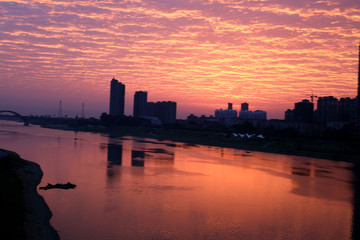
pixel 200 53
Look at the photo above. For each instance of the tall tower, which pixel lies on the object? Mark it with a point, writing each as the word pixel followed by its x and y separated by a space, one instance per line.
pixel 60 115
pixel 140 100
pixel 117 98
pixel 83 110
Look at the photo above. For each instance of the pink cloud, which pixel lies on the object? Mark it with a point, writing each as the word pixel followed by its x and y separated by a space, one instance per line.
pixel 194 52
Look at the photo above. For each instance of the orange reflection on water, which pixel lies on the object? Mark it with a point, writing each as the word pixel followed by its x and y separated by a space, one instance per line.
pixel 182 191
pixel 265 193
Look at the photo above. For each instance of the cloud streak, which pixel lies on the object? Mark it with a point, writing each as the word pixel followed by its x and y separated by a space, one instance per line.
pixel 201 54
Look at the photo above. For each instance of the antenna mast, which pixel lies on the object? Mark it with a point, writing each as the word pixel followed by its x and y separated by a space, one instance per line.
pixel 60 114
pixel 82 110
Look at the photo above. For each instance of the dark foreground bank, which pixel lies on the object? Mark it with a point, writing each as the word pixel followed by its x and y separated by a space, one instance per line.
pixel 24 212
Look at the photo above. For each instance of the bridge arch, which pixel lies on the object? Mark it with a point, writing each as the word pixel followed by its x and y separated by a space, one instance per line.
pixel 24 119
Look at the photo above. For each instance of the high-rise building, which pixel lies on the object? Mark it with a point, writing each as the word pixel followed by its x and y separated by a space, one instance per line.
pixel 150 109
pixel 140 101
pixel 165 111
pixel 330 109
pixel 347 111
pixel 250 115
pixel 117 98
pixel 227 113
pixel 327 109
pixel 290 115
pixel 244 106
pixel 245 114
pixel 304 111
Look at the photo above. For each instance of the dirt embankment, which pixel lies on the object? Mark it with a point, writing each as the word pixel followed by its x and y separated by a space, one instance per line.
pixel 25 214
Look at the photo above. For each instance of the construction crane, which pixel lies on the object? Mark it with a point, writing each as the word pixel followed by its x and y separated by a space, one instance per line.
pixel 312 97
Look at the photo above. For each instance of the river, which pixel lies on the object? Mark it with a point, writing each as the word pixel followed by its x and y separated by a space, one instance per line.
pixel 136 188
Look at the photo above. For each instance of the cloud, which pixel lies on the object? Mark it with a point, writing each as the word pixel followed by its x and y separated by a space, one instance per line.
pixel 195 52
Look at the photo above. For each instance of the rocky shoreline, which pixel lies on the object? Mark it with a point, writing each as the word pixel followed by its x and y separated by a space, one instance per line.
pixel 36 214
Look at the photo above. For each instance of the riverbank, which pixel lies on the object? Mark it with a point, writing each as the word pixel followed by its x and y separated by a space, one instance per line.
pixel 324 149
pixel 24 212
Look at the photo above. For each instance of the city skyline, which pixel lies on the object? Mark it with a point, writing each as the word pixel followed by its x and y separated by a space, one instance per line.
pixel 165 111
pixel 200 54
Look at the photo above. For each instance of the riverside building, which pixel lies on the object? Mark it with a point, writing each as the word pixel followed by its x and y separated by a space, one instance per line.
pixel 117 98
pixel 140 100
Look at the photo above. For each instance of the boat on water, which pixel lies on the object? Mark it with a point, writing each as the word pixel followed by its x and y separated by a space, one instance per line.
pixel 67 185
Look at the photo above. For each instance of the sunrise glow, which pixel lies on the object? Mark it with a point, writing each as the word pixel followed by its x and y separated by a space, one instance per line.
pixel 201 54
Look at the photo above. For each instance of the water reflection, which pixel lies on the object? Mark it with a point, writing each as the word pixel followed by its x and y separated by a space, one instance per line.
pixel 137 158
pixel 184 191
pixel 161 157
pixel 356 202
pixel 154 153
pixel 114 154
pixel 300 171
pixel 114 158
pixel 168 144
pixel 157 153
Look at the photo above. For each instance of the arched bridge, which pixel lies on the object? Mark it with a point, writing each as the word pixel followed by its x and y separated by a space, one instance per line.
pixel 25 119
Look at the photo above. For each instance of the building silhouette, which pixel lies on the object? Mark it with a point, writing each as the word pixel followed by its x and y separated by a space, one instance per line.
pixel 252 115
pixel 150 109
pixel 117 98
pixel 245 114
pixel 165 111
pixel 347 111
pixel 327 109
pixel 140 101
pixel 330 109
pixel 290 115
pixel 227 113
pixel 245 106
pixel 304 111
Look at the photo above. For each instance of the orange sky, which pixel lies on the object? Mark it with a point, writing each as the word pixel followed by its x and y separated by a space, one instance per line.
pixel 201 54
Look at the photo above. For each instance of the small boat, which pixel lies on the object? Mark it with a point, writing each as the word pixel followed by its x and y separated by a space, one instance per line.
pixel 67 185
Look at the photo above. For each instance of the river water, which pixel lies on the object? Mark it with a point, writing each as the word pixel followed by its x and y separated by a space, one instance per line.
pixel 136 188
